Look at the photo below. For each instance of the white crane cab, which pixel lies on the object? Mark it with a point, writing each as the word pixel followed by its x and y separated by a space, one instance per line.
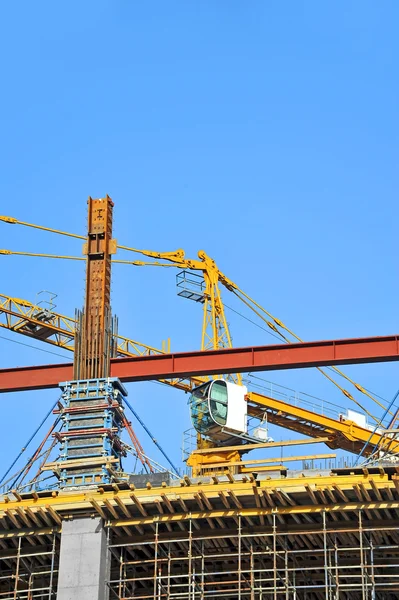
pixel 219 410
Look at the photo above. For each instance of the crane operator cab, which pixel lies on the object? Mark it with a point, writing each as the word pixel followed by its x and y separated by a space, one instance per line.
pixel 219 411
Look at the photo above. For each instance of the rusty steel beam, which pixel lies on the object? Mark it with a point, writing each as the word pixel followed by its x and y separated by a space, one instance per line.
pixel 94 328
pixel 226 360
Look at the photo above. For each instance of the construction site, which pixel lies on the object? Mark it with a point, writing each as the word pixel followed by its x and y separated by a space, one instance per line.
pixel 78 523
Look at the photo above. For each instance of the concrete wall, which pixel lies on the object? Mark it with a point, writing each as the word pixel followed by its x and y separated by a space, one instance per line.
pixel 84 562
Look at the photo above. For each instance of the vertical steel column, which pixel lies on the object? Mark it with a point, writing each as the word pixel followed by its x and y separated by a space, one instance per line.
pixel 93 347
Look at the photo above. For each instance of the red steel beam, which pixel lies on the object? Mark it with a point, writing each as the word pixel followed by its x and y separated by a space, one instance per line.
pixel 235 360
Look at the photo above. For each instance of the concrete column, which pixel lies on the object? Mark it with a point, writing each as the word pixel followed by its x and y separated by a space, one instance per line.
pixel 84 561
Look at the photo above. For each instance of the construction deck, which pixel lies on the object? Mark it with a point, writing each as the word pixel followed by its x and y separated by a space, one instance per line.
pixel 306 536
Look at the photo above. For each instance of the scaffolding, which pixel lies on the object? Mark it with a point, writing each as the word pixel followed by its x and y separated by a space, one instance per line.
pixel 332 562
pixel 305 536
pixel 29 568
pixel 327 562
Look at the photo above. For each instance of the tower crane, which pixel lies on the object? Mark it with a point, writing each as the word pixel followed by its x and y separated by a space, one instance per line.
pixel 219 407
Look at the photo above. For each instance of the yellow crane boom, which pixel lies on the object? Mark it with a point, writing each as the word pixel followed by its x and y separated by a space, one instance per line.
pixel 22 316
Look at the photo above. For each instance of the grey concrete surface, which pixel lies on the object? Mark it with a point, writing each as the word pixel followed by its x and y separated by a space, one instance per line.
pixel 84 562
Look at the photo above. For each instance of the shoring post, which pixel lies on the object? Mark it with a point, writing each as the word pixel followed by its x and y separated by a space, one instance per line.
pixel 252 574
pixel 194 573
pixel 294 595
pixel 336 568
pixel 362 562
pixel 239 558
pixel 330 572
pixel 126 588
pixel 121 565
pixel 50 591
pixel 330 567
pixel 169 566
pixel 274 557
pixel 17 570
pixel 287 579
pixel 160 582
pixel 325 556
pixel 202 596
pixel 373 596
pixel 125 585
pixel 155 559
pixel 190 555
pixel 30 584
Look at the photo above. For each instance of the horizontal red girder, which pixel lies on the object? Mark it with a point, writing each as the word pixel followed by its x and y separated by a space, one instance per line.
pixel 230 360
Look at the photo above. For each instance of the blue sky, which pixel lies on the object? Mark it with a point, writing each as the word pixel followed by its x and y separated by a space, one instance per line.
pixel 265 133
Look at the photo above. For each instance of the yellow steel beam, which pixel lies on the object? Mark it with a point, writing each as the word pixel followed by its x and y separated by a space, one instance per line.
pixel 258 446
pixel 17 533
pixel 263 469
pixel 254 512
pixel 70 501
pixel 54 509
pixel 270 460
pixel 228 533
pixel 344 434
